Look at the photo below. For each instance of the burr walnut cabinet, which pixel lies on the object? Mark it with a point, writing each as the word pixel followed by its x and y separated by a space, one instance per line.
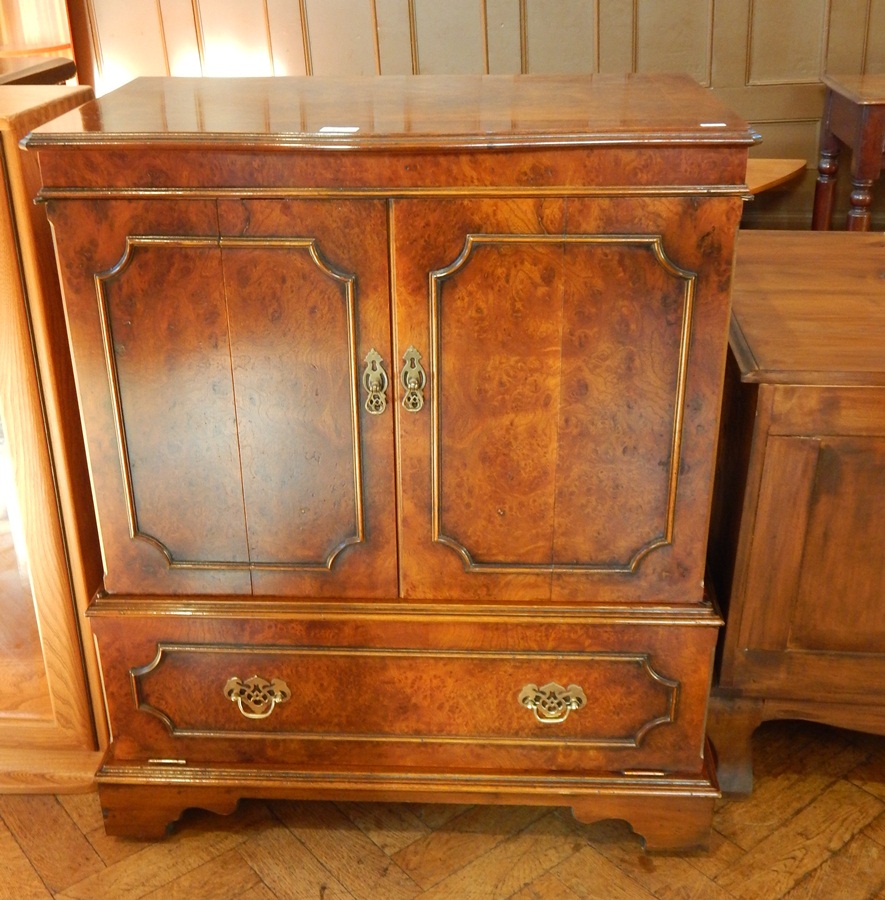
pixel 401 399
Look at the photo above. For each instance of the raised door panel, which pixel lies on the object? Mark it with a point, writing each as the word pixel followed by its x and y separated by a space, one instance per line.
pixel 571 396
pixel 821 583
pixel 222 414
pixel 145 310
pixel 308 299
pixel 809 596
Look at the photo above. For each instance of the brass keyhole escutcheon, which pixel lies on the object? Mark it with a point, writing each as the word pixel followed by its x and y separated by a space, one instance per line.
pixel 413 379
pixel 375 382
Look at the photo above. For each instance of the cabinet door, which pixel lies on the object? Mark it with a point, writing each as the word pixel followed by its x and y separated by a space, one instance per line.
pixel 573 353
pixel 808 598
pixel 218 367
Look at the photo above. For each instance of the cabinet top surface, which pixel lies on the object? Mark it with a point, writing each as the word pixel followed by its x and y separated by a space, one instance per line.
pixel 402 112
pixel 31 101
pixel 809 307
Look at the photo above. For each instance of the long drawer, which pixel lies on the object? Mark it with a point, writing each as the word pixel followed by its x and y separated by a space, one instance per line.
pixel 632 697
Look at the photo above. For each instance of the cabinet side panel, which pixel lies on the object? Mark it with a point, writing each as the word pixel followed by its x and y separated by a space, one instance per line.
pixel 291 336
pixel 138 335
pixel 499 319
pixel 842 578
pixel 687 289
pixel 308 287
pixel 620 402
pixel 169 350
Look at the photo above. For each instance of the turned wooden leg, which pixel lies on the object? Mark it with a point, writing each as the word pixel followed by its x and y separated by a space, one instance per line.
pixel 859 216
pixel 730 725
pixel 825 189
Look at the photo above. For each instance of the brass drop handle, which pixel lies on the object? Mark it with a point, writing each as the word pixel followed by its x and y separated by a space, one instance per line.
pixel 413 379
pixel 256 697
pixel 375 382
pixel 552 703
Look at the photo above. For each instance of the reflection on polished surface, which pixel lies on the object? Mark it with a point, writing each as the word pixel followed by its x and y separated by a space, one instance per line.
pixel 20 653
pixel 403 111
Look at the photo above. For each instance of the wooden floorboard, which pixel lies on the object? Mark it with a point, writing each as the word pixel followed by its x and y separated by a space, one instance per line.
pixel 814 827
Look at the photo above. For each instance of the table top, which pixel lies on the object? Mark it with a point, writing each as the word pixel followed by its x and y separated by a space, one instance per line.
pixel 404 112
pixel 809 307
pixel 33 101
pixel 36 70
pixel 862 89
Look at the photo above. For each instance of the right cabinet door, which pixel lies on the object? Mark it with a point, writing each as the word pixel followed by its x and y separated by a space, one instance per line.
pixel 572 352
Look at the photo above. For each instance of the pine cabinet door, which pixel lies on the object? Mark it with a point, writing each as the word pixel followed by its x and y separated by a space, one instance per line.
pixel 571 352
pixel 222 344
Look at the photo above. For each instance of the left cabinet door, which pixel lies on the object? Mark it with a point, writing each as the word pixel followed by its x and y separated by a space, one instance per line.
pixel 218 348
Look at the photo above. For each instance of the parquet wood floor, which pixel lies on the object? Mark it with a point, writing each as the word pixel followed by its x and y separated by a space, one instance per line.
pixel 813 828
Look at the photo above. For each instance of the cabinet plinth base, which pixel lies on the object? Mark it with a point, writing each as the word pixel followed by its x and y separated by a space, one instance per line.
pixel 733 719
pixel 671 812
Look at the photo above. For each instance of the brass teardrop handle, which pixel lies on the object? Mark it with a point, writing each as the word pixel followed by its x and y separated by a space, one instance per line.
pixel 375 382
pixel 413 379
pixel 256 697
pixel 552 703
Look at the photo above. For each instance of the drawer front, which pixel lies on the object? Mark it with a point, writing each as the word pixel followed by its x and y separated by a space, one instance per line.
pixel 600 699
pixel 394 706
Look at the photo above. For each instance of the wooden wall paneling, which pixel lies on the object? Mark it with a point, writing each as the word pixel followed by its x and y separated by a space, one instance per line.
pixel 672 38
pixel 728 68
pixel 343 37
pixel 394 37
pixel 561 36
pixel 504 35
pixel 235 37
pixel 617 36
pixel 462 49
pixel 129 41
pixel 787 40
pixel 179 34
pixel 848 27
pixel 875 39
pixel 288 48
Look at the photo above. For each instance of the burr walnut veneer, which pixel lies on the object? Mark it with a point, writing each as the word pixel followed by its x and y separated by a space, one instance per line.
pixel 401 400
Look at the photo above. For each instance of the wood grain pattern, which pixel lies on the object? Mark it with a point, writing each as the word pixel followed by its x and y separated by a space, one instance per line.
pixel 803 637
pixel 574 357
pixel 307 849
pixel 49 549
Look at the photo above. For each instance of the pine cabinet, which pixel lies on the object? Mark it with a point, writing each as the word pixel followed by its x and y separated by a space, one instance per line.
pixel 401 399
pixel 49 561
pixel 797 534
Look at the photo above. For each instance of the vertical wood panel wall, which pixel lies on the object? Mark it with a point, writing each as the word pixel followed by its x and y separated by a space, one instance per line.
pixel 763 57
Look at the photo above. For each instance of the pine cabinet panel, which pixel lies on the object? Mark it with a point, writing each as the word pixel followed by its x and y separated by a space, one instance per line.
pixel 49 565
pixel 798 529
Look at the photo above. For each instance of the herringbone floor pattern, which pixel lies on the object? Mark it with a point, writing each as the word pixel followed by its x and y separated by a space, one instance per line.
pixel 813 828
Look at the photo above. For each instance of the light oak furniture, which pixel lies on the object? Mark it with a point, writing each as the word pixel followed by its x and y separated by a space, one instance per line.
pixel 36 70
pixel 764 174
pixel 401 398
pixel 49 561
pixel 854 117
pixel 798 527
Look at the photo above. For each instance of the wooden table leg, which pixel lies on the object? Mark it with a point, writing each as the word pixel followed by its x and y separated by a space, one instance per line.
pixel 825 189
pixel 859 216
